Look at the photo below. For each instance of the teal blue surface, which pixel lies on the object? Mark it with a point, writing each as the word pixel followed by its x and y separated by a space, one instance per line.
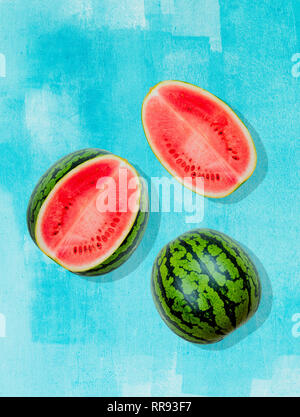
pixel 73 74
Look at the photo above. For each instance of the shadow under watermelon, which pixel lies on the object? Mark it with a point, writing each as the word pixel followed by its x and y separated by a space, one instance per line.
pixel 259 317
pixel 144 247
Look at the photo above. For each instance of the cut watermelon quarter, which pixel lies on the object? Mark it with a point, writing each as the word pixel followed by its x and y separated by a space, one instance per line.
pixel 89 212
pixel 198 138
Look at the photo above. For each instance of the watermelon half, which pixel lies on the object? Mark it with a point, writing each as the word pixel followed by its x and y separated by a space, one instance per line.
pixel 67 222
pixel 195 135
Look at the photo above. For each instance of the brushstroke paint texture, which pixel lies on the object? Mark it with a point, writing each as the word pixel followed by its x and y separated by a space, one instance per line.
pixel 187 18
pixel 76 74
pixel 286 370
pixel 2 66
pixel 2 325
pixel 51 119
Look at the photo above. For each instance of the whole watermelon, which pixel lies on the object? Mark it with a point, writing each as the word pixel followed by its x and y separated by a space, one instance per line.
pixel 204 286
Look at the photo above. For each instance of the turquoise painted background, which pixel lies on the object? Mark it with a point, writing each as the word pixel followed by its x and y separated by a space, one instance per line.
pixel 73 74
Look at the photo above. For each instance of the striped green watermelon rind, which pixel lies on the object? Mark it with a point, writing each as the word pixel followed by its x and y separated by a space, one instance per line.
pixel 54 174
pixel 204 286
pixel 51 177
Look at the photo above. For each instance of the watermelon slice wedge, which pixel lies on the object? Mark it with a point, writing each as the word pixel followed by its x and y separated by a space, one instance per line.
pixel 195 135
pixel 88 212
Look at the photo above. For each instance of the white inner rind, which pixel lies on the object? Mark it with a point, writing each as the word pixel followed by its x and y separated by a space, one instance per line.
pixel 38 234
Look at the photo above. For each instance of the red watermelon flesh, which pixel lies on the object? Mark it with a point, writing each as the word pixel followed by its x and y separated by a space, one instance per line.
pixel 196 135
pixel 71 229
